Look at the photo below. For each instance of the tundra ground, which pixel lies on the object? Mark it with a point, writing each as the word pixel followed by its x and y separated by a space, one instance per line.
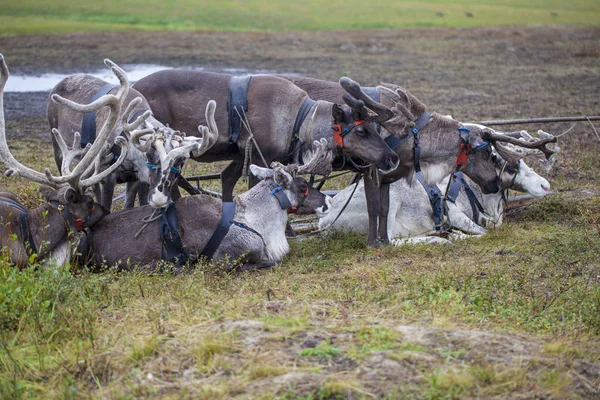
pixel 513 315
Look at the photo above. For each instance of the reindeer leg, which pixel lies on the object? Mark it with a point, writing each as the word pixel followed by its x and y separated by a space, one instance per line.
pixel 108 190
pixel 132 189
pixel 229 176
pixel 384 208
pixel 373 208
pixel 143 193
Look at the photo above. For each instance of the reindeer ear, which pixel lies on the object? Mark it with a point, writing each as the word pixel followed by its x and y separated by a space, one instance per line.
pixel 282 177
pixel 71 196
pixel 338 114
pixel 260 172
pixel 46 192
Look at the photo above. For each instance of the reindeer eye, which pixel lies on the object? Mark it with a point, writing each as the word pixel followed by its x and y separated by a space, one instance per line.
pixel 361 132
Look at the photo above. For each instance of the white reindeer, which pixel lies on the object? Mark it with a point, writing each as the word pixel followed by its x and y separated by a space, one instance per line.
pixel 412 215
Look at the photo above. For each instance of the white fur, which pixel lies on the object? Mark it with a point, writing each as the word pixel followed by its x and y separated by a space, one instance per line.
pixel 410 213
pixel 158 199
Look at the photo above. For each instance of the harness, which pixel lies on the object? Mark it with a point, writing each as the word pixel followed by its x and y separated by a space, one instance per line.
pixel 168 230
pixel 75 224
pixel 23 221
pixel 238 99
pixel 305 108
pixel 456 182
pixel 88 125
pixel 338 133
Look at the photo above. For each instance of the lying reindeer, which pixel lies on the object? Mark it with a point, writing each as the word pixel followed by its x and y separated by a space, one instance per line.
pixel 412 214
pixel 45 230
pixel 444 144
pixel 144 162
pixel 253 235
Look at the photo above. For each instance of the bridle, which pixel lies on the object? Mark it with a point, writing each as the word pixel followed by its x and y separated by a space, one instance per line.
pixel 338 133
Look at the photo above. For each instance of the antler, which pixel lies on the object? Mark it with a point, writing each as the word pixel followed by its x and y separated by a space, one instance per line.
pixel 361 102
pixel 208 134
pixel 114 103
pixel 320 164
pixel 131 129
pixel 514 154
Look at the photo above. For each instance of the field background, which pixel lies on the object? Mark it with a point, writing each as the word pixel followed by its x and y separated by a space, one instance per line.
pixel 61 16
pixel 514 315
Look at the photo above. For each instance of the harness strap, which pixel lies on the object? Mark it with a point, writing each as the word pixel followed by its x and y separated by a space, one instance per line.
pixel 238 98
pixel 281 197
pixel 88 125
pixel 23 221
pixel 476 206
pixel 66 214
pixel 168 230
pixel 305 108
pixel 338 133
pixel 227 214
pixel 435 199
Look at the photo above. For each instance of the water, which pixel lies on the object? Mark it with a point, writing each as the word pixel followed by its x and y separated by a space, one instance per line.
pixel 45 82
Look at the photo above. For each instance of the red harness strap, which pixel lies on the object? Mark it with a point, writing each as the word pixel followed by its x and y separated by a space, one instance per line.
pixel 338 134
pixel 462 158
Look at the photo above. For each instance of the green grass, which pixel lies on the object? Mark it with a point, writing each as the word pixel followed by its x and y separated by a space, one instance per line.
pixel 61 16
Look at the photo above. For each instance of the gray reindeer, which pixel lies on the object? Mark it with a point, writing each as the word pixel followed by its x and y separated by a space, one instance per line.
pixel 283 118
pixel 45 230
pixel 254 233
pixel 442 144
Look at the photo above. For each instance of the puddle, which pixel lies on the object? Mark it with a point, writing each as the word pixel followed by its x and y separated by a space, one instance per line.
pixel 45 82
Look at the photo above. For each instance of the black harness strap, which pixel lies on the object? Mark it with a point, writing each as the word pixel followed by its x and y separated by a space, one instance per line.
pixel 476 206
pixel 238 99
pixel 23 221
pixel 227 213
pixel 88 125
pixel 168 229
pixel 305 108
pixel 277 191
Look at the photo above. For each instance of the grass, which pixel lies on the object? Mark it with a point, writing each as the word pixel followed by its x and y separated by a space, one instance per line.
pixel 63 16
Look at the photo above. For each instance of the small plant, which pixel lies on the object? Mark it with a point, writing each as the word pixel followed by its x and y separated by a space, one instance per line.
pixel 323 349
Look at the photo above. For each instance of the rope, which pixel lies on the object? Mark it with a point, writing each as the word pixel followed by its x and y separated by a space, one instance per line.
pixel 248 148
pixel 156 213
pixel 336 218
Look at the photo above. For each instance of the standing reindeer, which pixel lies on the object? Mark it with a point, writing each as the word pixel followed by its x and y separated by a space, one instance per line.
pixel 442 144
pixel 254 233
pixel 284 119
pixel 45 230
pixel 147 163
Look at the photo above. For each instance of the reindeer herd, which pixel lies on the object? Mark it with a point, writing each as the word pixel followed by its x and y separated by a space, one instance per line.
pixel 421 176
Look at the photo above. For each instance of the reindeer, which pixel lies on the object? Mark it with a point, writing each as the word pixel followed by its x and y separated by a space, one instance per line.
pixel 442 143
pixel 144 166
pixel 256 230
pixel 283 118
pixel 45 230
pixel 412 215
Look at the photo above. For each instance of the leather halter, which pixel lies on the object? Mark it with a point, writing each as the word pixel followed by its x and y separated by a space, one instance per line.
pixel 338 133
pixel 75 224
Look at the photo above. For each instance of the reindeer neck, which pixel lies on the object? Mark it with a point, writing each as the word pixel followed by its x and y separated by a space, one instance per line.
pixel 48 228
pixel 492 203
pixel 316 128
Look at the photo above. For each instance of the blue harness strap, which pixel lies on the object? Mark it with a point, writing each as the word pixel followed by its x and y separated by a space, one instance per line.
pixel 23 221
pixel 227 213
pixel 238 99
pixel 281 197
pixel 168 229
pixel 88 125
pixel 476 206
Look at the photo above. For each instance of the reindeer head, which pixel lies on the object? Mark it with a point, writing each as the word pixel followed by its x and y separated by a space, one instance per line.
pixel 68 190
pixel 167 150
pixel 303 198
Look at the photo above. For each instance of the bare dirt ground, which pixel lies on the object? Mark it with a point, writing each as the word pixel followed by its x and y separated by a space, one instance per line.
pixel 473 74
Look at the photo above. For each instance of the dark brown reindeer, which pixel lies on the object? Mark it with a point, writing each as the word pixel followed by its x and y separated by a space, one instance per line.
pixel 45 230
pixel 444 143
pixel 143 162
pixel 256 228
pixel 283 118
